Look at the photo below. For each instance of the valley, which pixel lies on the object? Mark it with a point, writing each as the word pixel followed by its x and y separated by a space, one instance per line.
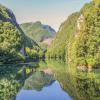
pixel 37 62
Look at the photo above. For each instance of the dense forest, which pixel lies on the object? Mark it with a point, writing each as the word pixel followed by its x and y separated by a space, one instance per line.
pixel 78 39
pixel 14 44
pixel 36 61
pixel 84 50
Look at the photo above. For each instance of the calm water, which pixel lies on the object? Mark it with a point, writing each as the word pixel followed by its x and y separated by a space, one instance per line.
pixel 50 80
pixel 52 92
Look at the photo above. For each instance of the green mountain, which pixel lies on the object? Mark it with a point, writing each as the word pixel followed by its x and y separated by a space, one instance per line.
pixel 84 50
pixel 66 31
pixel 78 39
pixel 37 31
pixel 13 41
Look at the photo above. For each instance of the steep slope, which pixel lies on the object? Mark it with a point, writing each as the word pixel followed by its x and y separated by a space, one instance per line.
pixel 12 38
pixel 84 50
pixel 37 31
pixel 79 38
pixel 66 31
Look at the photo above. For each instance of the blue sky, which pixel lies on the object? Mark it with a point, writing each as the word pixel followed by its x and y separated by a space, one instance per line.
pixel 51 12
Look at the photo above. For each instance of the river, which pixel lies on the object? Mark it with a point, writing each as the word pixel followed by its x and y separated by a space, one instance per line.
pixel 49 80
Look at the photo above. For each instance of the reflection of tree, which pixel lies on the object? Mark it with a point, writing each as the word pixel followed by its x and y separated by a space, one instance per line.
pixel 88 87
pixel 79 85
pixel 11 79
pixel 8 82
pixel 38 80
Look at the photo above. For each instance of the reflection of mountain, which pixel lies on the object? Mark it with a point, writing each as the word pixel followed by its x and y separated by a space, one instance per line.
pixel 79 85
pixel 53 92
pixel 38 80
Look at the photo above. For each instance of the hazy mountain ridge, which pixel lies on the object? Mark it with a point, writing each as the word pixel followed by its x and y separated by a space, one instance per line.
pixel 37 31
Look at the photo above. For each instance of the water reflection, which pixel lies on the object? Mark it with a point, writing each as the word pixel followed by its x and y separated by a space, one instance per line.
pixel 79 85
pixel 12 78
pixel 42 86
pixel 51 92
pixel 36 80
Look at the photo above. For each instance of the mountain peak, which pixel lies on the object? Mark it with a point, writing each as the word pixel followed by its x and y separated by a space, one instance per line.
pixel 38 31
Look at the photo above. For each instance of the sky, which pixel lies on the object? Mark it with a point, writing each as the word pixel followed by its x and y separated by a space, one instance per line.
pixel 49 12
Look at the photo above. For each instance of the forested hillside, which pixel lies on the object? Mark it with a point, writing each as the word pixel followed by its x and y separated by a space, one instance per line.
pixel 66 31
pixel 78 39
pixel 84 50
pixel 13 41
pixel 37 31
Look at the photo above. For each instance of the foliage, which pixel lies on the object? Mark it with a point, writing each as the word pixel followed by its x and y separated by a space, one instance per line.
pixel 87 42
pixel 35 53
pixel 37 31
pixel 12 39
pixel 32 53
pixel 78 38
pixel 66 31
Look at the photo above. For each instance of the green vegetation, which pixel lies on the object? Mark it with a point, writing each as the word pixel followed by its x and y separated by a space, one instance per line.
pixel 37 31
pixel 67 30
pixel 13 41
pixel 35 53
pixel 77 42
pixel 85 47
pixel 78 39
pixel 10 38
